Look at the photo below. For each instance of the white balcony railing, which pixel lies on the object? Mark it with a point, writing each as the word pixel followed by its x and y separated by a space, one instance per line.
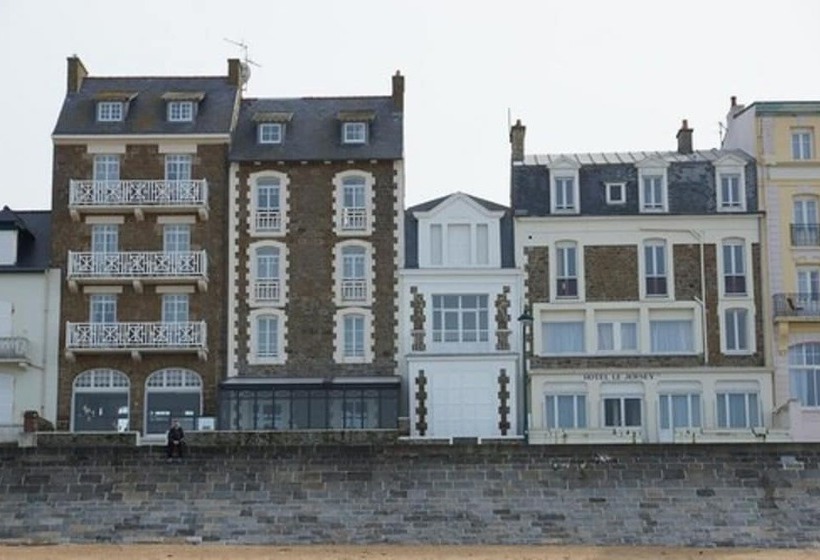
pixel 112 337
pixel 354 290
pixel 354 219
pixel 266 290
pixel 138 265
pixel 268 220
pixel 13 348
pixel 138 193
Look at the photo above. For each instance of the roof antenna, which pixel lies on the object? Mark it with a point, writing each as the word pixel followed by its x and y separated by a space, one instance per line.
pixel 246 61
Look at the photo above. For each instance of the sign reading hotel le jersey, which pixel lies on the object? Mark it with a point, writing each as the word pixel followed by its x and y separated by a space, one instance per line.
pixel 619 376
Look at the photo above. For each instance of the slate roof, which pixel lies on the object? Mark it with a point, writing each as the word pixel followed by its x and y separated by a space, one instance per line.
pixel 34 238
pixel 602 158
pixel 314 130
pixel 147 112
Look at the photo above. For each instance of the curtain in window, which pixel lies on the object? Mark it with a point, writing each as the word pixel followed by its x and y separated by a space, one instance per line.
pixel 563 337
pixel 671 336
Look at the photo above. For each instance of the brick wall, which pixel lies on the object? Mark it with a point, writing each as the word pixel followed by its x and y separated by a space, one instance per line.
pixel 704 495
pixel 611 273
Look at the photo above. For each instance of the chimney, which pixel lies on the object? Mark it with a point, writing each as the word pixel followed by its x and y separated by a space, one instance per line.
pixel 235 72
pixel 398 91
pixel 517 132
pixel 685 138
pixel 734 106
pixel 76 74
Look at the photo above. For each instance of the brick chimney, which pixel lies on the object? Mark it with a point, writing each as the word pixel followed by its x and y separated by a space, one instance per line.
pixel 76 74
pixel 685 138
pixel 235 72
pixel 398 91
pixel 517 132
pixel 734 106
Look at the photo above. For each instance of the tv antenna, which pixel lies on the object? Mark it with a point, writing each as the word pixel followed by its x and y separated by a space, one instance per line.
pixel 246 61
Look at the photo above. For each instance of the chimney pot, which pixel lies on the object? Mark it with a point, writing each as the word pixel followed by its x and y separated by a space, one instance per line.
pixel 235 72
pixel 734 101
pixel 517 133
pixel 398 91
pixel 76 74
pixel 684 137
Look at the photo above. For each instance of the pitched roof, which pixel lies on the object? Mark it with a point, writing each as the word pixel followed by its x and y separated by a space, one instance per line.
pixel 601 158
pixel 430 204
pixel 33 252
pixel 313 131
pixel 146 112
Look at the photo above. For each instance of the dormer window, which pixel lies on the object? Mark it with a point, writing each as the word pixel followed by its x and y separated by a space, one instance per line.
pixel 180 111
pixel 8 247
pixel 354 132
pixel 653 192
pixel 616 193
pixel 270 133
pixel 110 111
pixel 564 186
pixel 730 183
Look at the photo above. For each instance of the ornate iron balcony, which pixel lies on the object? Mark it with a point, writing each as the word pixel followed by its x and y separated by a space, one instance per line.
pixel 805 305
pixel 138 195
pixel 136 337
pixel 805 235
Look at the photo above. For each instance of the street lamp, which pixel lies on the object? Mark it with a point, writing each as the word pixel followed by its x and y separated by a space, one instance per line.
pixel 525 319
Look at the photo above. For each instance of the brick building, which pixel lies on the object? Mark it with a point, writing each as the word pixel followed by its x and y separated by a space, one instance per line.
pixel 140 198
pixel 314 235
pixel 643 276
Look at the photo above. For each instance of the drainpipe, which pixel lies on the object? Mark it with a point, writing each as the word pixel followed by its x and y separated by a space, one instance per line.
pixel 702 301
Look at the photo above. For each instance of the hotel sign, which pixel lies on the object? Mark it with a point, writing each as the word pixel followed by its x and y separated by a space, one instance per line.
pixel 619 376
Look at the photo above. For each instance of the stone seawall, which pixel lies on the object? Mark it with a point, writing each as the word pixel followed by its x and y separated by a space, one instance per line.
pixel 754 495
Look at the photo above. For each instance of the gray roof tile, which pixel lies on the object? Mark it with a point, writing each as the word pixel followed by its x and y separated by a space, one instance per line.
pixel 34 227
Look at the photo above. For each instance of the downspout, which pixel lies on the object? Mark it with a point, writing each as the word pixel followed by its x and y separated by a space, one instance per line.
pixel 702 301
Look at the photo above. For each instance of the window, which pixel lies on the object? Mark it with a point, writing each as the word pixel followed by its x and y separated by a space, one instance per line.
pixel 622 412
pixel 354 336
pixel 106 168
pixel 100 401
pixel 270 133
pixel 732 195
pixel 808 288
pixel 736 330
pixel 802 140
pixel 804 370
pixel 103 308
pixel 738 410
pixel 109 111
pixel 354 281
pixel 654 193
pixel 354 207
pixel 563 337
pixel 805 231
pixel 176 238
pixel 734 268
pixel 566 276
pixel 267 336
pixel 268 215
pixel 175 308
pixel 679 411
pixel 180 111
pixel 178 167
pixel 671 336
pixel 266 286
pixel 565 411
pixel 436 256
pixel 104 238
pixel 616 193
pixel 172 393
pixel 460 318
pixel 354 133
pixel 655 268
pixel 564 194
pixel 482 242
pixel 617 336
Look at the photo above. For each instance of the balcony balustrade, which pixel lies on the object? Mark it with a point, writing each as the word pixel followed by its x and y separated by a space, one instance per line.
pixel 805 306
pixel 354 290
pixel 354 219
pixel 136 338
pixel 266 291
pixel 138 267
pixel 268 221
pixel 14 349
pixel 805 235
pixel 138 196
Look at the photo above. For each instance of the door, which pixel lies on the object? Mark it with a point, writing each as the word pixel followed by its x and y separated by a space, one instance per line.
pixel 463 404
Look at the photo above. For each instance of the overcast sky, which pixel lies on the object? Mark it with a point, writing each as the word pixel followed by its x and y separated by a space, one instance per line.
pixel 583 75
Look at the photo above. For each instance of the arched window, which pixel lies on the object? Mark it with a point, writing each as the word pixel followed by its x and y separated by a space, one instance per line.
pixel 100 401
pixel 268 203
pixel 172 394
pixel 353 202
pixel 266 285
pixel 804 369
pixel 353 273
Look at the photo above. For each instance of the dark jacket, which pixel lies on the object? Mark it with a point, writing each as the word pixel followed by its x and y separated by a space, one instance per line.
pixel 175 434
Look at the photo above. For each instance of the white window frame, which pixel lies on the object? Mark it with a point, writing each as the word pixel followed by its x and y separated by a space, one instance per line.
pixel 804 374
pixel 556 320
pixel 468 339
pixel 178 167
pixel 176 238
pixel 734 266
pixel 110 111
pixel 563 249
pixel 802 144
pixel 175 308
pixel 695 418
pixel 736 322
pixel 180 111
pixel 688 315
pixel 653 168
pixel 347 284
pixel 617 320
pixel 580 412
pixel 613 200
pixel 730 167
pixel 341 215
pixel 354 132
pixel 276 291
pixel 102 380
pixel 105 238
pixel 270 132
pixel 622 398
pixel 254 358
pixel 805 224
pixel 273 225
pixel 102 308
pixel 723 421
pixel 106 168
pixel 647 271
pixel 563 170
pixel 340 355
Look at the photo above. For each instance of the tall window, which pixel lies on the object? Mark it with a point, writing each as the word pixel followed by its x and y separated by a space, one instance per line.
pixel 354 133
pixel 266 282
pixel 617 336
pixel 655 268
pixel 808 287
pixel 654 193
pixel 565 411
pixel 805 230
pixel 354 336
pixel 270 133
pixel 106 167
pixel 738 409
pixel 679 410
pixel 804 369
pixel 354 280
pixel 109 111
pixel 178 167
pixel 802 140
pixel 460 318
pixel 622 412
pixel 736 325
pixel 268 213
pixel 103 308
pixel 175 308
pixel 731 193
pixel 566 270
pixel 104 238
pixel 354 206
pixel 436 250
pixel 267 336
pixel 563 337
pixel 176 238
pixel 100 401
pixel 180 111
pixel 564 193
pixel 734 267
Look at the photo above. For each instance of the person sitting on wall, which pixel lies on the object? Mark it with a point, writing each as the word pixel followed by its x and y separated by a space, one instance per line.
pixel 176 440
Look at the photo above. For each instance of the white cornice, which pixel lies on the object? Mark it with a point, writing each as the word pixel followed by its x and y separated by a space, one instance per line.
pixel 216 138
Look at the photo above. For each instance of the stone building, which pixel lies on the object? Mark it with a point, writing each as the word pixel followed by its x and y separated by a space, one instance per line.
pixel 643 276
pixel 783 138
pixel 314 237
pixel 458 320
pixel 29 307
pixel 140 200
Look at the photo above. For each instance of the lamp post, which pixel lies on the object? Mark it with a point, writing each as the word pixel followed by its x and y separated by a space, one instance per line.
pixel 525 319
